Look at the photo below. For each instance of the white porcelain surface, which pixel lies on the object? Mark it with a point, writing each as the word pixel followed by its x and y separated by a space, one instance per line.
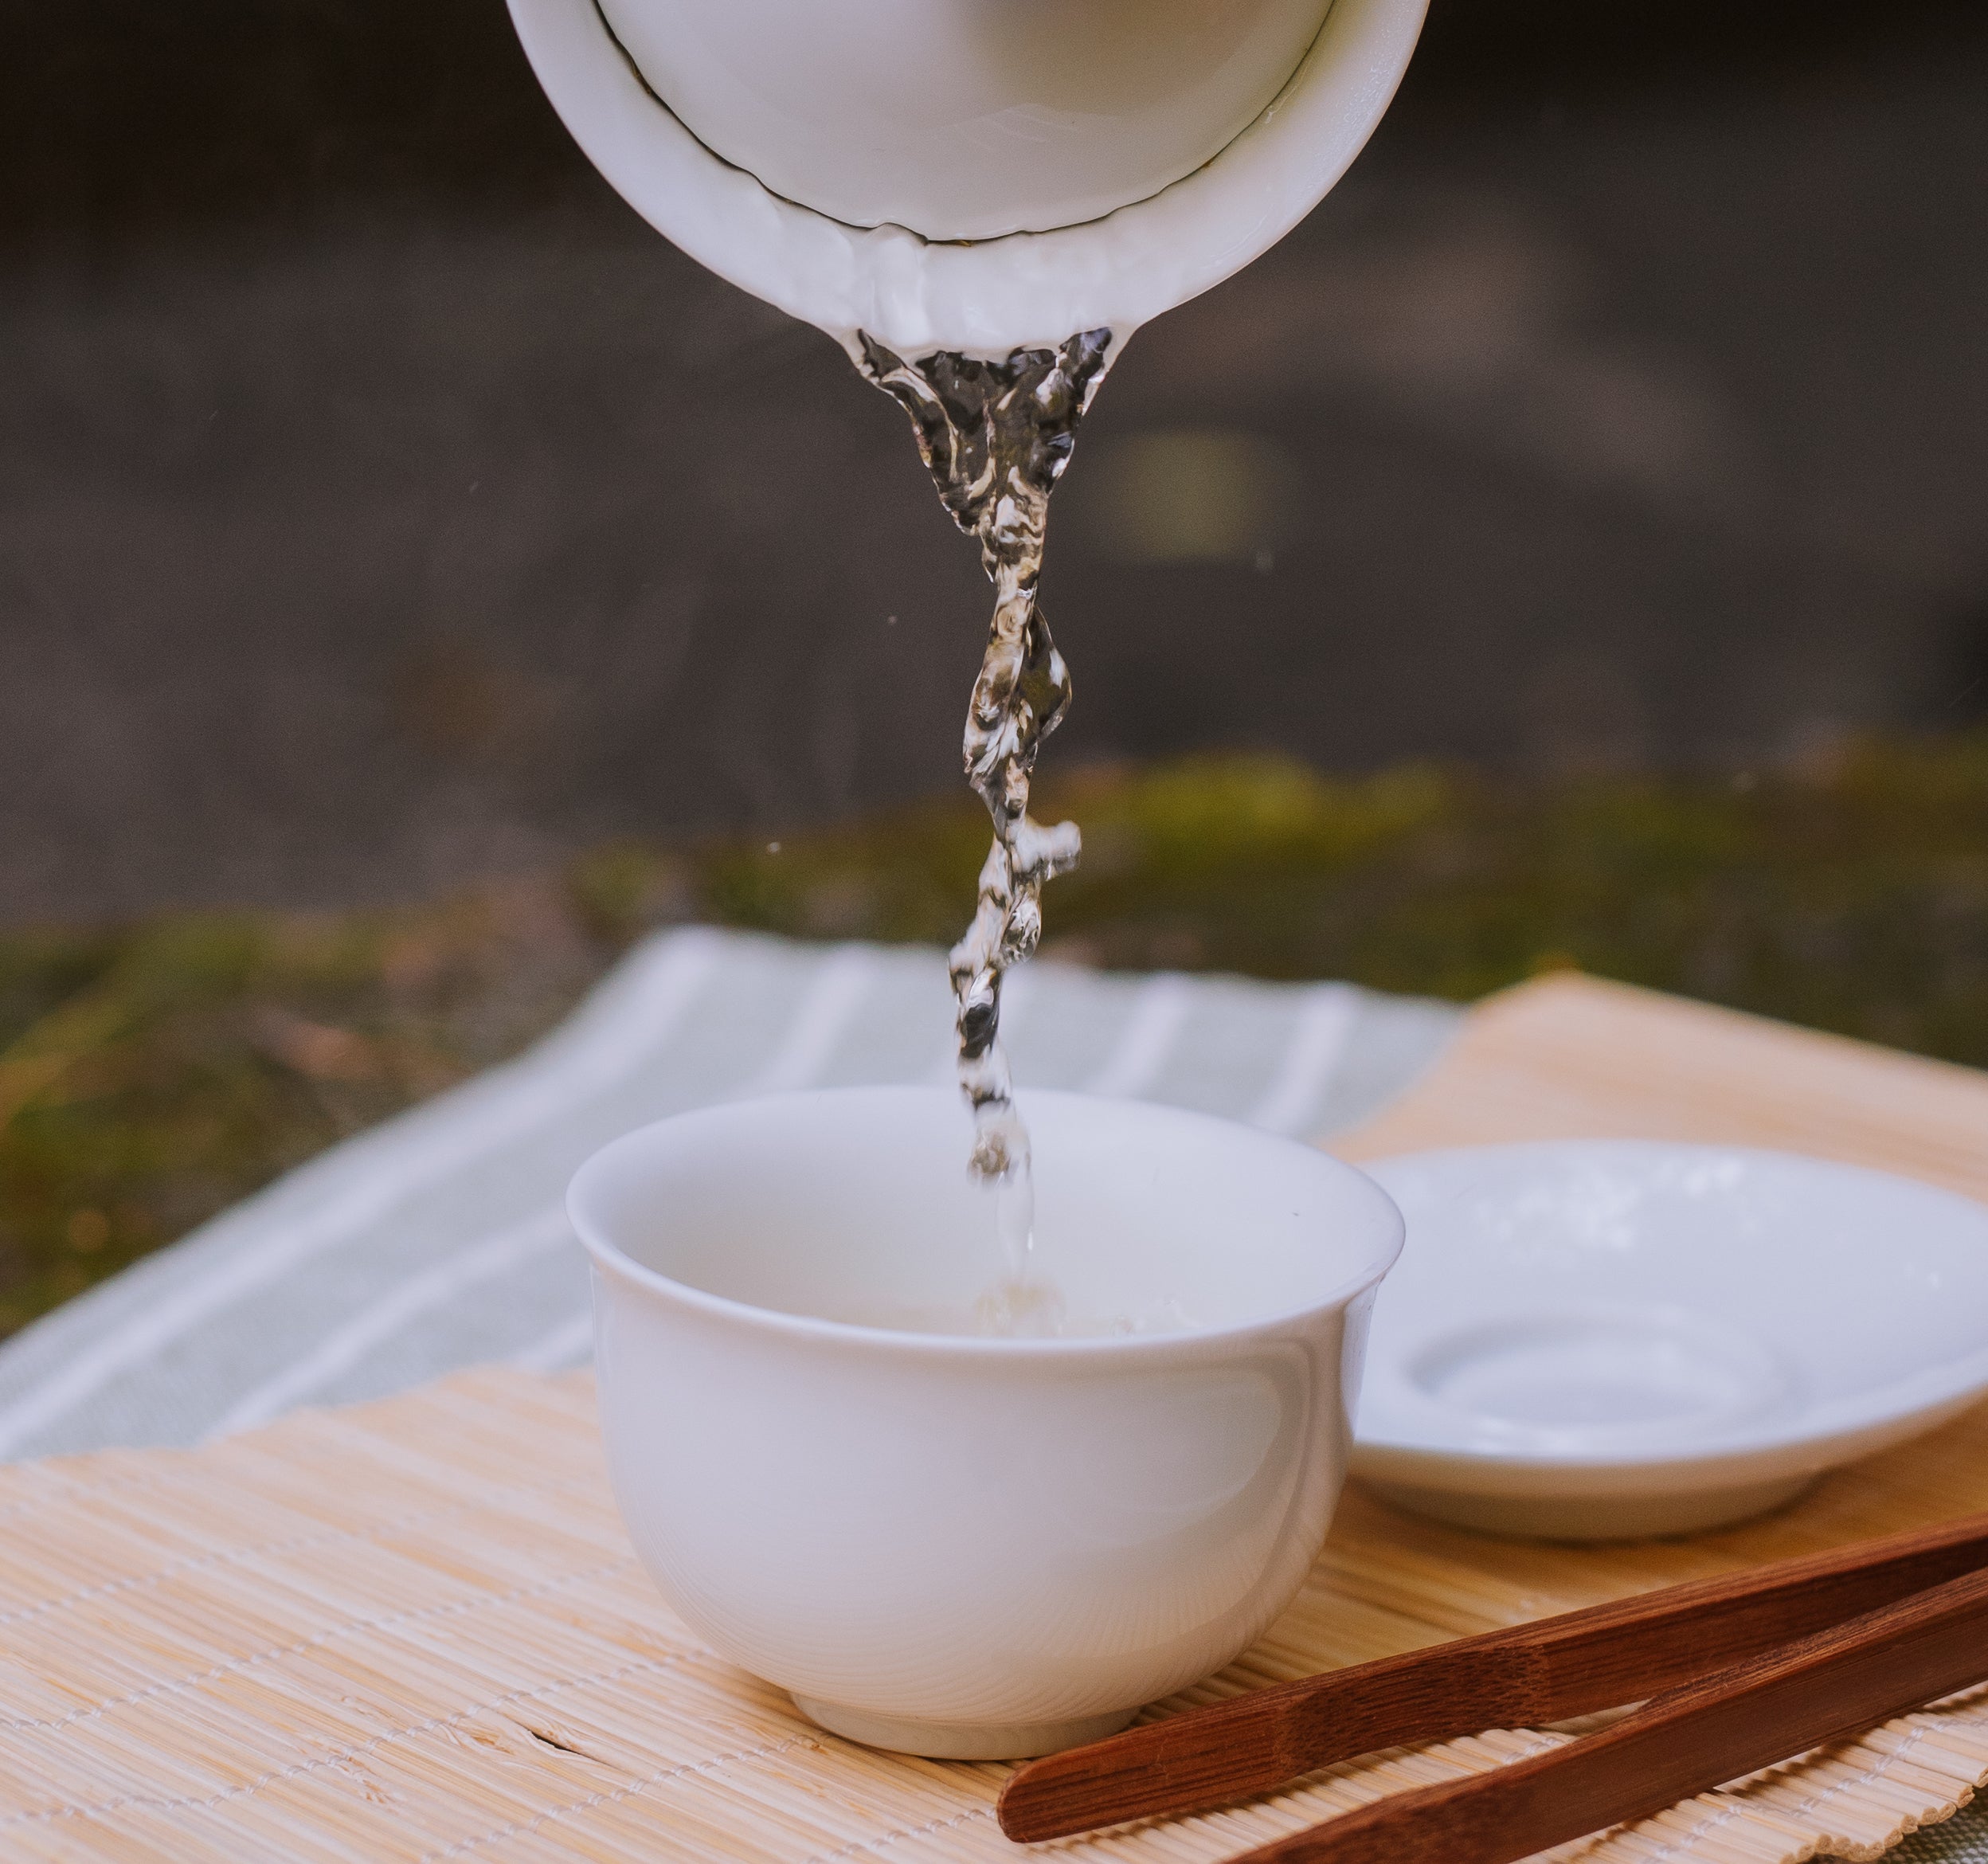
pixel 1600 1339
pixel 965 120
pixel 986 297
pixel 960 1545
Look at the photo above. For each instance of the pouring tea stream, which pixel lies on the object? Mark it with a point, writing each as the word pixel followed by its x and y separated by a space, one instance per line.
pixel 981 199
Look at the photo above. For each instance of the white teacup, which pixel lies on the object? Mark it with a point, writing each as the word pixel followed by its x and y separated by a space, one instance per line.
pixel 974 1547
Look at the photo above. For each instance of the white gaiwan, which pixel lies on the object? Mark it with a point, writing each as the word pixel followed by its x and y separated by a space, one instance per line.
pixel 961 119
pixel 974 175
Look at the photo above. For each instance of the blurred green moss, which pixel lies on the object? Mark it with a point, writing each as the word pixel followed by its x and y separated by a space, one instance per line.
pixel 149 1075
pixel 152 1075
pixel 1853 897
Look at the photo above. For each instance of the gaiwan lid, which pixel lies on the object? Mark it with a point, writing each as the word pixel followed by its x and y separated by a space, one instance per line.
pixel 972 175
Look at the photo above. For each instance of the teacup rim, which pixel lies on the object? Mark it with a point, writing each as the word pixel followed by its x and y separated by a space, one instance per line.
pixel 1191 1342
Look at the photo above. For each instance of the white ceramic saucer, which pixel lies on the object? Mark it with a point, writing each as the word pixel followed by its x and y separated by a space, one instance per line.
pixel 1592 1340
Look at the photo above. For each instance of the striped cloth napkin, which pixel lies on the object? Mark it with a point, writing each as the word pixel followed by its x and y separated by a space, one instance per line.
pixel 440 1239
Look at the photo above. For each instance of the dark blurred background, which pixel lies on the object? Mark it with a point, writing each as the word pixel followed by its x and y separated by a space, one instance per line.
pixel 385 506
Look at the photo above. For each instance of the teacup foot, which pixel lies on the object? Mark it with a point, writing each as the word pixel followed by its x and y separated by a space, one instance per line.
pixel 1597 1517
pixel 961 1740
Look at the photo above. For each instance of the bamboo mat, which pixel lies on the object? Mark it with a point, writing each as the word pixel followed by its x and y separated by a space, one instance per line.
pixel 414 1630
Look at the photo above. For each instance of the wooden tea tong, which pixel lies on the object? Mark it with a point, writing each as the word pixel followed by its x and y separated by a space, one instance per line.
pixel 1733 1673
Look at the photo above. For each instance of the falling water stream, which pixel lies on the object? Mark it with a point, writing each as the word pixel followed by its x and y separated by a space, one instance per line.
pixel 996 437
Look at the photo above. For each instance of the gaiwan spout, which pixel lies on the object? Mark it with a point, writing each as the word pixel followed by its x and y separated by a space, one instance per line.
pixel 972 176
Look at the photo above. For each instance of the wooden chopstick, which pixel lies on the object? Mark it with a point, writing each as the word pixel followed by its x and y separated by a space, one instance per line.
pixel 1520 1677
pixel 1685 1742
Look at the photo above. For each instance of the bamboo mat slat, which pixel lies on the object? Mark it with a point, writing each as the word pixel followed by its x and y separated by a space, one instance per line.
pixel 414 1630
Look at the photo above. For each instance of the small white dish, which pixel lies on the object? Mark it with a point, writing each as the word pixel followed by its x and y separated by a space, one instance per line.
pixel 1592 1340
pixel 948 1544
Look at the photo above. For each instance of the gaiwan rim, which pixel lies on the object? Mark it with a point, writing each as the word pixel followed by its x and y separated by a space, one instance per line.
pixel 1822 1435
pixel 985 297
pixel 1186 1341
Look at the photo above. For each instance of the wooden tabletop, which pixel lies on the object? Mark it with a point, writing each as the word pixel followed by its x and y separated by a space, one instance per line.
pixel 415 1630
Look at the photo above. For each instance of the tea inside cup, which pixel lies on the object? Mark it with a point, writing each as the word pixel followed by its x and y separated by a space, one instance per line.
pixel 856 1207
pixel 949 1543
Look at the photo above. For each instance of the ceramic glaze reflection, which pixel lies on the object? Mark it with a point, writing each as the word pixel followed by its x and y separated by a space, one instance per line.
pixel 1595 1377
pixel 1011 1311
pixel 966 119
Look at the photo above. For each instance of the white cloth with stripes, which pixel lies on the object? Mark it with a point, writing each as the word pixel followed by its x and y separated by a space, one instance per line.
pixel 439 1238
